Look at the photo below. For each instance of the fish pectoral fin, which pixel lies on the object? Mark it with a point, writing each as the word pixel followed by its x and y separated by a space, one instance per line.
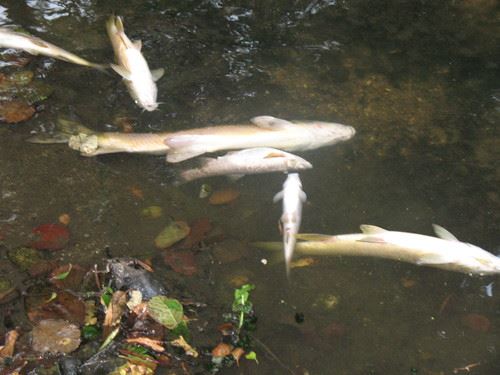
pixel 137 44
pixel 371 229
pixel 371 239
pixel 235 177
pixel 176 156
pixel 434 259
pixel 302 196
pixel 312 237
pixel 443 233
pixel 278 196
pixel 157 73
pixel 270 122
pixel 121 71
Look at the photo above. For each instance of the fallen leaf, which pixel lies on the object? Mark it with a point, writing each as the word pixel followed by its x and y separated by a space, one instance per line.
pixel 68 277
pixel 335 329
pixel 64 306
pixel 303 262
pixel 55 336
pixel 137 192
pixel 171 234
pixel 181 261
pixel 181 343
pixel 114 311
pixel 408 282
pixel 166 311
pixel 476 322
pixel 50 237
pixel 13 111
pixel 7 350
pixel 64 219
pixel 150 343
pixel 222 349
pixel 237 353
pixel 223 196
pixel 199 230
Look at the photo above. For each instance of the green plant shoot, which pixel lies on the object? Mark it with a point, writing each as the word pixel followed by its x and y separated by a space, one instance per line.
pixel 241 301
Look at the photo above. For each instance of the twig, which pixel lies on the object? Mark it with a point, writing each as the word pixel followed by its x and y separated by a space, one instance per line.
pixel 274 356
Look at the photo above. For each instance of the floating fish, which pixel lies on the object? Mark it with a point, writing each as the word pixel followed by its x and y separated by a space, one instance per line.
pixel 239 163
pixel 265 131
pixel 91 143
pixel 445 252
pixel 293 197
pixel 133 67
pixel 37 46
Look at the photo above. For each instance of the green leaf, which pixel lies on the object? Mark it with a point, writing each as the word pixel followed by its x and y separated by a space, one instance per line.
pixel 90 332
pixel 110 338
pixel 182 330
pixel 63 275
pixel 252 356
pixel 166 311
pixel 106 295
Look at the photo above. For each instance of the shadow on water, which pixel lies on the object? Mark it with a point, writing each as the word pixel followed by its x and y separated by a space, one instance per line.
pixel 417 79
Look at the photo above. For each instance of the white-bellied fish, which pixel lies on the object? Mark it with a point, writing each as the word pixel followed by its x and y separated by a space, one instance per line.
pixel 92 143
pixel 445 252
pixel 265 131
pixel 243 162
pixel 293 197
pixel 133 67
pixel 36 46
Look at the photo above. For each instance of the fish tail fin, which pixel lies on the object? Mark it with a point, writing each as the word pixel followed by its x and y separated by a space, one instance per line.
pixel 65 128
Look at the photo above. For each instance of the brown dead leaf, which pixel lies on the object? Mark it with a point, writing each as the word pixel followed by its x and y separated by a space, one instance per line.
pixel 223 196
pixel 199 230
pixel 137 192
pixel 150 343
pixel 114 312
pixel 13 111
pixel 237 353
pixel 181 343
pixel 222 349
pixel 303 262
pixel 7 350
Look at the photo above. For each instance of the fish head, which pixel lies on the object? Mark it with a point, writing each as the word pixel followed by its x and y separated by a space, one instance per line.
pixel 296 163
pixel 329 133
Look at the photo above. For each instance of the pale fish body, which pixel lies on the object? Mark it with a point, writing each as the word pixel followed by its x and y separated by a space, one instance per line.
pixel 445 252
pixel 243 162
pixel 37 46
pixel 265 131
pixel 293 197
pixel 132 66
pixel 113 142
pixel 91 143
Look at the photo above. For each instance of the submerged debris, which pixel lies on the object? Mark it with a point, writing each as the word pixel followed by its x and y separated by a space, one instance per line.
pixel 55 336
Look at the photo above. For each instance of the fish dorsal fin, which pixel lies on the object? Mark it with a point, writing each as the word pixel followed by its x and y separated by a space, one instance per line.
pixel 312 237
pixel 121 71
pixel 270 122
pixel 443 233
pixel 157 73
pixel 371 229
pixel 137 44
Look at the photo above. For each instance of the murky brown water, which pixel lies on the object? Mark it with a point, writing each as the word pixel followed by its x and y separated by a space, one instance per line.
pixel 418 81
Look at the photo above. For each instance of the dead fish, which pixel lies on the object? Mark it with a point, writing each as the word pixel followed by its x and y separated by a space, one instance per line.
pixel 132 66
pixel 293 197
pixel 445 252
pixel 249 161
pixel 92 143
pixel 265 131
pixel 37 46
